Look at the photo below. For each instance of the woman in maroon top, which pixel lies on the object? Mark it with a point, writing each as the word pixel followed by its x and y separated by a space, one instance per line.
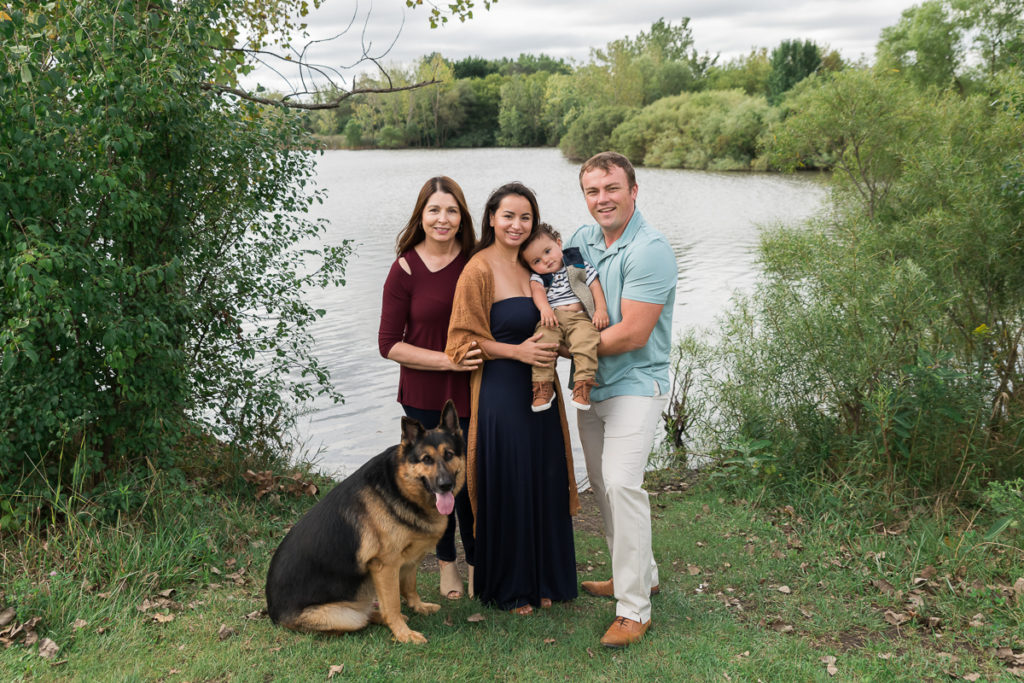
pixel 432 249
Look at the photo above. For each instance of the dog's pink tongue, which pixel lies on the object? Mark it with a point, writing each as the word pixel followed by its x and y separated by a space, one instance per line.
pixel 445 503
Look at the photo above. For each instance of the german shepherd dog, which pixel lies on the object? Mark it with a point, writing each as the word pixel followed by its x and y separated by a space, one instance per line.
pixel 368 535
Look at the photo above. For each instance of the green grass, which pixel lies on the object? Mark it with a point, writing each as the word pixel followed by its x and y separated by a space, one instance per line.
pixel 748 593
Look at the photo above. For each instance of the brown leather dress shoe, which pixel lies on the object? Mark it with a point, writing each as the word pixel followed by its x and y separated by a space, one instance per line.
pixel 606 589
pixel 624 632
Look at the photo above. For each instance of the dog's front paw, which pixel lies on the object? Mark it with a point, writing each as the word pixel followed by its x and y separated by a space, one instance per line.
pixel 426 607
pixel 377 618
pixel 409 636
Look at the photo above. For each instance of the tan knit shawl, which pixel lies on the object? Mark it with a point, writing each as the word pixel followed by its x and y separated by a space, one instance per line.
pixel 471 321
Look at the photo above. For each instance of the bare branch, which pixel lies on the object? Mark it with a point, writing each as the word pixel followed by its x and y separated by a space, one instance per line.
pixel 309 106
pixel 317 79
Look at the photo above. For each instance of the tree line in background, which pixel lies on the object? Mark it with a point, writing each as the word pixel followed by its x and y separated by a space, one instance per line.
pixel 655 97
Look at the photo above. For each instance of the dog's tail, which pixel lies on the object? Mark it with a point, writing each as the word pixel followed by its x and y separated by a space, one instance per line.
pixel 336 617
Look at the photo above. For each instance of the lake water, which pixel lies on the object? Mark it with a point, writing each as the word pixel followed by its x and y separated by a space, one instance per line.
pixel 711 220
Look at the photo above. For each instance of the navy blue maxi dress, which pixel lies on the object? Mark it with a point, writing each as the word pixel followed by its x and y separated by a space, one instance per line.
pixel 524 542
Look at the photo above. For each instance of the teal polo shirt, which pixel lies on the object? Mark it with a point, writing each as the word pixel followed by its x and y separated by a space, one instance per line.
pixel 639 266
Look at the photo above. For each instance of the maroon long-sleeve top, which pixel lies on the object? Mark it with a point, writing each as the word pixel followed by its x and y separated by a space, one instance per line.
pixel 415 309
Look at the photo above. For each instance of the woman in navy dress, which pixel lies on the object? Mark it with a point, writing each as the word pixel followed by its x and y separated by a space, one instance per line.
pixel 520 470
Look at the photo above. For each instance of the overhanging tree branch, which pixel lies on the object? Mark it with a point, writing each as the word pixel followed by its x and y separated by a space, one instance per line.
pixel 321 86
pixel 310 106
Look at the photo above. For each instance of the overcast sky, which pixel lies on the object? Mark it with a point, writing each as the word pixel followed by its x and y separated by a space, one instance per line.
pixel 570 28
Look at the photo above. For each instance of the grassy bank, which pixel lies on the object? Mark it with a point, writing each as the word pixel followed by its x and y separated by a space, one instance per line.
pixel 748 593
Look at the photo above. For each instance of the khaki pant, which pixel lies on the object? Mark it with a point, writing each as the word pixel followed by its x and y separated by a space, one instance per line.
pixel 576 330
pixel 617 435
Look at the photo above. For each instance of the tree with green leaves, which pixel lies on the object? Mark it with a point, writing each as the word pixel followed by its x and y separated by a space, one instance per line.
pixel 924 45
pixel 748 73
pixel 880 350
pixel 856 122
pixel 151 276
pixel 792 61
pixel 996 28
pixel 520 117
pixel 655 64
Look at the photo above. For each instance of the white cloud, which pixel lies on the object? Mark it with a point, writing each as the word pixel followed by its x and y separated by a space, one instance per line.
pixel 570 28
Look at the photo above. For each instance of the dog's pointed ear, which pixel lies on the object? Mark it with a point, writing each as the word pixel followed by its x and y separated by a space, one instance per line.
pixel 450 418
pixel 412 430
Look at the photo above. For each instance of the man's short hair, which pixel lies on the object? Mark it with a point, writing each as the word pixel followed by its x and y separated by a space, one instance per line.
pixel 606 161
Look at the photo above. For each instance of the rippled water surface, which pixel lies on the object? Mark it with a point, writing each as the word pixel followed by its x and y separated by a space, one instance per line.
pixel 711 220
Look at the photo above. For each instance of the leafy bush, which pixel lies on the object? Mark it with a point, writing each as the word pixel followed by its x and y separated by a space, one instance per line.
pixel 717 130
pixel 591 132
pixel 151 283
pixel 881 347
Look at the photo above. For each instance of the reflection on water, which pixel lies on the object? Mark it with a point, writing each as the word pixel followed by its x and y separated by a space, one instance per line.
pixel 710 219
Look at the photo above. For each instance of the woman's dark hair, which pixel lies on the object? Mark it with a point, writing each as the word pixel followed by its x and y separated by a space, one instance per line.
pixel 491 207
pixel 412 234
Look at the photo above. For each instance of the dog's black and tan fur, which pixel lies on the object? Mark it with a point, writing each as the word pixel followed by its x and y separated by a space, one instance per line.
pixel 367 536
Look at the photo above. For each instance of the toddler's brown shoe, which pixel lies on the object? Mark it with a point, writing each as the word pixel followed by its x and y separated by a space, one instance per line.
pixel 581 394
pixel 543 396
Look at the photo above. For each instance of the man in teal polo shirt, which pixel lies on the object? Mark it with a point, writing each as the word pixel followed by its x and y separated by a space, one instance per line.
pixel 638 272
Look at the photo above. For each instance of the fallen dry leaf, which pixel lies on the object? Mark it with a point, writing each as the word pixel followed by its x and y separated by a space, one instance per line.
pixel 225 632
pixel 163 618
pixel 79 623
pixel 335 669
pixel 972 677
pixel 475 618
pixel 7 616
pixel 915 600
pixel 780 627
pixel 785 590
pixel 830 664
pixel 896 618
pixel 48 649
pixel 1008 656
pixel 590 652
pixel 885 655
pixel 549 641
pixel 692 569
pixel 884 586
